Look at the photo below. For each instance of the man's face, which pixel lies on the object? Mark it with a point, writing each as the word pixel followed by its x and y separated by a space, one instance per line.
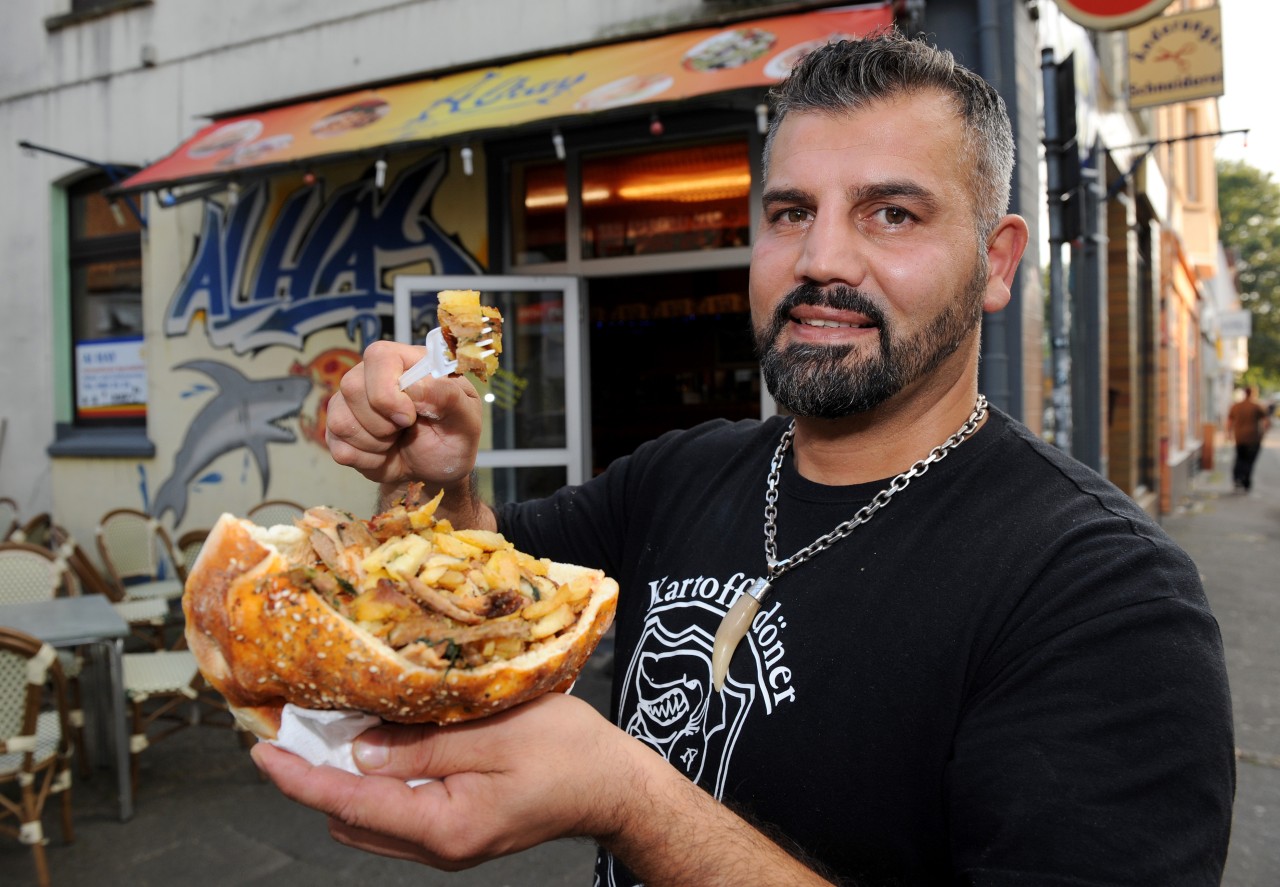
pixel 866 275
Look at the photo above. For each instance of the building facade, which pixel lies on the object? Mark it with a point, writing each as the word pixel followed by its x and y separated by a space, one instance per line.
pixel 222 204
pixel 1144 255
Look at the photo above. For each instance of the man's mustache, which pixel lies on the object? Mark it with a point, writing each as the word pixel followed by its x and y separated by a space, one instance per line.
pixel 839 298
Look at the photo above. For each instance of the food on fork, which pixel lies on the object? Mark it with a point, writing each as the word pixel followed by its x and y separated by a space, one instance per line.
pixel 400 616
pixel 472 332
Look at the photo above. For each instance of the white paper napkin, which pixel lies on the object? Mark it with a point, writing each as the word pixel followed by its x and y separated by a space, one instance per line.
pixel 325 737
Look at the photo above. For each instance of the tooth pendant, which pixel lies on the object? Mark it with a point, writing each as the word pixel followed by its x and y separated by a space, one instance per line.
pixel 733 628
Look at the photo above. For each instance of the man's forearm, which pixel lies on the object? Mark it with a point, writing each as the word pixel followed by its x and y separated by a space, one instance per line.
pixel 674 834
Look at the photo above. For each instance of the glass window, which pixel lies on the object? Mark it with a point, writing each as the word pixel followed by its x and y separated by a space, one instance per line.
pixel 509 484
pixel 528 403
pixel 540 197
pixel 105 255
pixel 693 197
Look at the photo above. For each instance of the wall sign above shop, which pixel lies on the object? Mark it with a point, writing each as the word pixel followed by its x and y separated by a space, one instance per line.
pixel 1111 15
pixel 1176 58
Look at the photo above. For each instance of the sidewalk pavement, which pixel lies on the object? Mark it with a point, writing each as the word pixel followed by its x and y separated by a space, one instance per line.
pixel 205 819
pixel 1234 539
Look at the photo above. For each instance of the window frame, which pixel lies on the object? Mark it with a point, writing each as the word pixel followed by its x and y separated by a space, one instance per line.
pixel 73 438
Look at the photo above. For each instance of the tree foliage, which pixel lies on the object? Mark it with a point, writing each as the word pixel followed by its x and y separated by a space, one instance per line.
pixel 1249 206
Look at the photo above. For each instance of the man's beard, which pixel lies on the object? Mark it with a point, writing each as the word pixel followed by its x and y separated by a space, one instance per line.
pixel 823 382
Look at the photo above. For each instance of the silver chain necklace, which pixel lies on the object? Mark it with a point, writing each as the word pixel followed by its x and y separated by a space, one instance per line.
pixel 736 623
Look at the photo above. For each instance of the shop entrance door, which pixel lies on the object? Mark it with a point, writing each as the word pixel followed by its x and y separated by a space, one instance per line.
pixel 533 441
pixel 668 350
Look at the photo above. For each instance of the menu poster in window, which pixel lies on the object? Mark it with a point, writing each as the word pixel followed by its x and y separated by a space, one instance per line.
pixel 111 379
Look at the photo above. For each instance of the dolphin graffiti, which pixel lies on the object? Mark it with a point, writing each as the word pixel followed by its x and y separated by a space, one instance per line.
pixel 243 414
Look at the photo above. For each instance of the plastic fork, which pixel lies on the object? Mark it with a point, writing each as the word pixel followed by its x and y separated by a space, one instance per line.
pixel 436 361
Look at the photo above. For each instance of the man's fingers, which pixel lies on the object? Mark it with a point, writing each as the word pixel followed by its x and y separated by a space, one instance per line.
pixel 369 405
pixel 361 802
pixel 403 752
pixel 377 814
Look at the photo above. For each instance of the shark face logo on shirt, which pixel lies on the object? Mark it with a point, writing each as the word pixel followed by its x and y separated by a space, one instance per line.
pixel 667 699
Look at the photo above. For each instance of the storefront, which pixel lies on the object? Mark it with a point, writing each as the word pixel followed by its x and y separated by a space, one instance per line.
pixel 604 199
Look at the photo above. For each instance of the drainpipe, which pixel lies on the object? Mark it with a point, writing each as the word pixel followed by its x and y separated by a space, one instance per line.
pixel 1059 313
pixel 994 367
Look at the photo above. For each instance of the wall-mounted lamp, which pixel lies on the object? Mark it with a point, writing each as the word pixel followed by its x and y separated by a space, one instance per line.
pixel 468 167
pixel 308 178
pixel 380 173
pixel 762 118
pixel 558 141
pixel 655 126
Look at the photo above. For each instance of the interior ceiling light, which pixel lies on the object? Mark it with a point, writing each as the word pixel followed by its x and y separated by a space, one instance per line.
pixel 718 187
pixel 549 199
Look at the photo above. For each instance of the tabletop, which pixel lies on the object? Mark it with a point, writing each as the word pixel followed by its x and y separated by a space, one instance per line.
pixel 66 621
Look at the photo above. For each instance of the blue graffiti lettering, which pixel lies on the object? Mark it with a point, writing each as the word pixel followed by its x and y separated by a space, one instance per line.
pixel 323 263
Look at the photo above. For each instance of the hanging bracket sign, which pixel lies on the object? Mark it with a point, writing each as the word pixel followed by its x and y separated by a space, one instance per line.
pixel 1176 59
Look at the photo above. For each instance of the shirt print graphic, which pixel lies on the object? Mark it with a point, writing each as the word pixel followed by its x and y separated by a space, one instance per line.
pixel 667 699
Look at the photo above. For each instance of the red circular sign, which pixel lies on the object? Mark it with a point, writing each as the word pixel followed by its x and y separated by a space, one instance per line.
pixel 1111 15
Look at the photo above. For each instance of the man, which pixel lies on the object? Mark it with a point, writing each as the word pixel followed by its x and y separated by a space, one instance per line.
pixel 961 657
pixel 1247 422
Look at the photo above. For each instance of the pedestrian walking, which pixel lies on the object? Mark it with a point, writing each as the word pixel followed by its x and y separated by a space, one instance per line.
pixel 1247 422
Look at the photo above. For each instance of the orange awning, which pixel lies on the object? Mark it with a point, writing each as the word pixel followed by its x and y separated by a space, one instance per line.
pixel 668 68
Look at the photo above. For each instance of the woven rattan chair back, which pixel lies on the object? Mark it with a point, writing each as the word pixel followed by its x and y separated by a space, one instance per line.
pixel 29 573
pixel 86 574
pixel 134 546
pixel 189 545
pixel 35 749
pixel 270 512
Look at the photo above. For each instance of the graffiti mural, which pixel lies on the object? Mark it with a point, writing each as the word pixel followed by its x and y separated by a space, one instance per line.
pixel 324 261
pixel 266 274
pixel 244 414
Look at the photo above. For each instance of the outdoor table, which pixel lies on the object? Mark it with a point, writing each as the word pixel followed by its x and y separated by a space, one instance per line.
pixel 85 620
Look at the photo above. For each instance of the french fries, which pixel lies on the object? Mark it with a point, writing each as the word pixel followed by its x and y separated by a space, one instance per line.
pixel 461 576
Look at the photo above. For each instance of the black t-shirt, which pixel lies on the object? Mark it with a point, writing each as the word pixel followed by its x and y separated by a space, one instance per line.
pixel 1009 675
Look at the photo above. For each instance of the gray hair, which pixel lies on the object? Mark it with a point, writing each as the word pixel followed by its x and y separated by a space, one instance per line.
pixel 850 74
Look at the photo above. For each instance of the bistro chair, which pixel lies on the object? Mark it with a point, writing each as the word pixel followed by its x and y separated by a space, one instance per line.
pixel 160 687
pixel 29 573
pixel 270 512
pixel 35 749
pixel 138 555
pixel 148 617
pixel 159 684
